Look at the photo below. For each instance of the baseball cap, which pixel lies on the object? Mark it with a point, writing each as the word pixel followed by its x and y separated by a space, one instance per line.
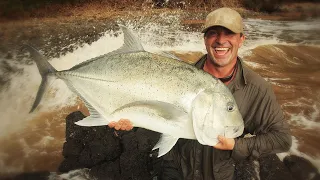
pixel 225 17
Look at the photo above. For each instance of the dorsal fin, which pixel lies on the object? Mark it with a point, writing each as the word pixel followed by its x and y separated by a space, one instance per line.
pixel 131 42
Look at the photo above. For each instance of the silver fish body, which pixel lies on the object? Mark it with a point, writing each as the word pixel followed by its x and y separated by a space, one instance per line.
pixel 153 91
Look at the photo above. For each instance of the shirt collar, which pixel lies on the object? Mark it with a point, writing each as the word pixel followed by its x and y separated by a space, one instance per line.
pixel 241 77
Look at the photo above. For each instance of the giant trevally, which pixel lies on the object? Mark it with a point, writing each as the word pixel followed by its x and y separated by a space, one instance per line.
pixel 154 91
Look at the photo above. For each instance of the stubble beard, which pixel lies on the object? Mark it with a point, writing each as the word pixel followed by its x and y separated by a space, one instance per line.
pixel 219 62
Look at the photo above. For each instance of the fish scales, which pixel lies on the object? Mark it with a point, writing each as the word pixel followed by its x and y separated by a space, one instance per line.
pixel 146 73
pixel 154 90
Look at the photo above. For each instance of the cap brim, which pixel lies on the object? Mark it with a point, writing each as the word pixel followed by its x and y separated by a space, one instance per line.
pixel 205 29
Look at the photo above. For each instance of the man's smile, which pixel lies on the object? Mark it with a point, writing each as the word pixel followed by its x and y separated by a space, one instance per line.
pixel 221 51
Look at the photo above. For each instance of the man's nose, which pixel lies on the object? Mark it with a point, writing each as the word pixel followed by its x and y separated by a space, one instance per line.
pixel 221 38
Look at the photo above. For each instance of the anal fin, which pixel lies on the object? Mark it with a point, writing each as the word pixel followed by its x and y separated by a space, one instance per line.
pixel 165 144
pixel 95 118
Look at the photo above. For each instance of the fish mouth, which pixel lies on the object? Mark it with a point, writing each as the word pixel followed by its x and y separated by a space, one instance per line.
pixel 233 131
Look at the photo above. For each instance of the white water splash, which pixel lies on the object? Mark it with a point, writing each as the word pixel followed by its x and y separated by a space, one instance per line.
pixel 294 151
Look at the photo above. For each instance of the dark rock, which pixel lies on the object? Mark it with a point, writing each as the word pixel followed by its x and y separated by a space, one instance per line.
pixel 71 130
pixel 100 150
pixel 73 147
pixel 109 153
pixel 125 155
pixel 300 168
pixel 70 163
pixel 87 146
pixel 129 142
pixel 272 168
pixel 93 154
pixel 245 170
pixel 33 176
pixel 146 139
pixel 134 165
pixel 269 167
pixel 108 170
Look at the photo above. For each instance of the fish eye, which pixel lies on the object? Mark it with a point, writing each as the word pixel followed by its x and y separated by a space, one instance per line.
pixel 230 107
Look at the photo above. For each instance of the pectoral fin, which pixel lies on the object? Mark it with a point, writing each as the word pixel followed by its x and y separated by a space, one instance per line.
pixel 165 144
pixel 157 116
pixel 151 109
pixel 92 121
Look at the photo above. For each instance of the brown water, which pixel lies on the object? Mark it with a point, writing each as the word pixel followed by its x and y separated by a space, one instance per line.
pixel 294 73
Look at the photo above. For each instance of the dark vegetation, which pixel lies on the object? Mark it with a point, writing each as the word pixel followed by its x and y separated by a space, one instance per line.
pixel 49 8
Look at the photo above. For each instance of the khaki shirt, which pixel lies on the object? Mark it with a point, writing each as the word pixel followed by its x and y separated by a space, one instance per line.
pixel 262 117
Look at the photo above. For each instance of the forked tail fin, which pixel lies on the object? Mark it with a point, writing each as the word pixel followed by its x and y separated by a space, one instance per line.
pixel 44 68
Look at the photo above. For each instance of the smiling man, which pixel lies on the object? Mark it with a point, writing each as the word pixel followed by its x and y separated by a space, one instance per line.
pixel 263 117
pixel 265 127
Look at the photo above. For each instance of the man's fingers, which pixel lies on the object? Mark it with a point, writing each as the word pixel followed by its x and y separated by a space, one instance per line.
pixel 128 127
pixel 218 146
pixel 225 143
pixel 221 138
pixel 122 124
pixel 118 125
pixel 112 124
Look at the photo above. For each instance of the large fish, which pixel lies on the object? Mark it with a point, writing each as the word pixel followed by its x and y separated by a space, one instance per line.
pixel 155 91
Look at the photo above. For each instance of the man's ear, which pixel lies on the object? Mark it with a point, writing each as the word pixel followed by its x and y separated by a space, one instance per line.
pixel 242 38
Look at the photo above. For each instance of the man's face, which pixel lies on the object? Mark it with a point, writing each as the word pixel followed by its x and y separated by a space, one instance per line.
pixel 222 45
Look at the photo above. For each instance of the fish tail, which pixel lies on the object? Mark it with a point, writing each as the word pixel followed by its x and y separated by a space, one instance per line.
pixel 45 68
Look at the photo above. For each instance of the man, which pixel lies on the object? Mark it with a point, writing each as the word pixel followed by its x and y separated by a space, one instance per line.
pixel 263 117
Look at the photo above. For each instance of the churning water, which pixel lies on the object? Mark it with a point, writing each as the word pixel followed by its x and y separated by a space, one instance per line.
pixel 286 53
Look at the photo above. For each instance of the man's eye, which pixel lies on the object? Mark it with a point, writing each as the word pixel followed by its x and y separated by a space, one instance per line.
pixel 211 33
pixel 228 32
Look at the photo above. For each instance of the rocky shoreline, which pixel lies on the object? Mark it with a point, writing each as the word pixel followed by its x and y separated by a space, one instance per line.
pixel 105 153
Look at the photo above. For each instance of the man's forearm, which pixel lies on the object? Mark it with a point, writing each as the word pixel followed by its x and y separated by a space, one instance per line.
pixel 254 147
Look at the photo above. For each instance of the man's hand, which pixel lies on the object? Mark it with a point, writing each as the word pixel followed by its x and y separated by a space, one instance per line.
pixel 225 143
pixel 122 124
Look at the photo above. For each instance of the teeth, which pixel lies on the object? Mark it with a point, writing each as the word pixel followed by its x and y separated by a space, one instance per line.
pixel 221 49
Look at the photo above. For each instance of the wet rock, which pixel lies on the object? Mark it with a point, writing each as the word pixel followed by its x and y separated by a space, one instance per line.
pixel 70 163
pixel 246 170
pixel 108 153
pixel 73 147
pixel 72 132
pixel 93 153
pixel 272 168
pixel 129 142
pixel 301 168
pixel 42 175
pixel 108 169
pixel 134 165
pixel 146 139
pixel 128 155
pixel 87 146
